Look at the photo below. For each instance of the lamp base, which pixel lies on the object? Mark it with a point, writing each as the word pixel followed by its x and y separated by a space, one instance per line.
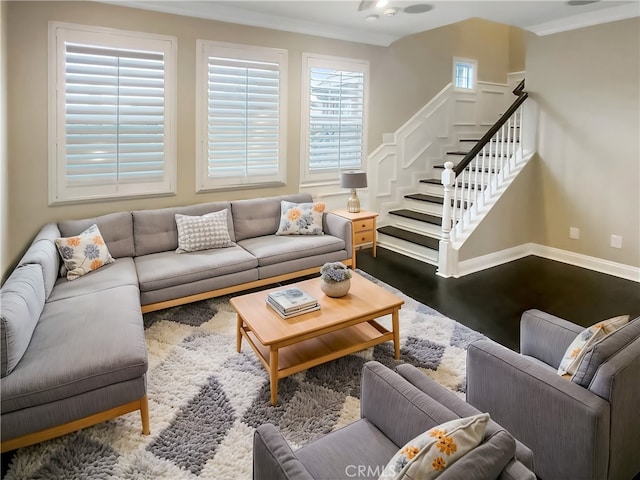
pixel 353 204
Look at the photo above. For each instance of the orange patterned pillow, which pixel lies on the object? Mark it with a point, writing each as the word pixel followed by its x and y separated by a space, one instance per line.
pixel 433 451
pixel 83 253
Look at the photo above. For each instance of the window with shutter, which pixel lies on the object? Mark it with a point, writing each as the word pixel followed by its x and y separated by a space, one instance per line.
pixel 334 104
pixel 241 115
pixel 464 73
pixel 112 111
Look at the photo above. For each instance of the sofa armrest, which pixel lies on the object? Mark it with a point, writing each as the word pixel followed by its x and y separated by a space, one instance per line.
pixel 566 426
pixel 273 458
pixel 516 470
pixel 456 404
pixel 339 227
pixel 546 337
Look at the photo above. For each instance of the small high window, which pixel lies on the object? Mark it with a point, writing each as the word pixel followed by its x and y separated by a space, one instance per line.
pixel 464 73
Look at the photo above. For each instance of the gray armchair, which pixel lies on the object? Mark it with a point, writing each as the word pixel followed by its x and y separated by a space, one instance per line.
pixel 585 430
pixel 393 411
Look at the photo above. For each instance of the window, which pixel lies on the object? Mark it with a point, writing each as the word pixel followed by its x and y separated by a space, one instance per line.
pixel 112 113
pixel 241 115
pixel 334 113
pixel 464 73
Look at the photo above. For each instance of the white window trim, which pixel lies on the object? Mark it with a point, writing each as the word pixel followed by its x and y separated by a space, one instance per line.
pixel 474 77
pixel 58 33
pixel 311 60
pixel 248 52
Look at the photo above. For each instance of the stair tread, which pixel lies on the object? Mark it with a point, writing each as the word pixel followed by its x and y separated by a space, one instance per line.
pixel 425 198
pixel 457 152
pixel 473 169
pixel 421 197
pixel 415 215
pixel 417 238
pixel 437 181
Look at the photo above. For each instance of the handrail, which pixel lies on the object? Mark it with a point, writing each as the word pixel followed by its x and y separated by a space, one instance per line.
pixel 522 96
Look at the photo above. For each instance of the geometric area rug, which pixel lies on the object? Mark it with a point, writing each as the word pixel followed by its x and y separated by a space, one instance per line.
pixel 206 399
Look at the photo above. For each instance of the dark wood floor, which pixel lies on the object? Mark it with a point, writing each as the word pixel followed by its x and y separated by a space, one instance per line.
pixel 492 301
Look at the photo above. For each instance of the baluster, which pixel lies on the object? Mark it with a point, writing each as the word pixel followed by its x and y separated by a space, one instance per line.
pixel 489 176
pixel 521 110
pixel 502 148
pixel 484 154
pixel 476 163
pixel 510 148
pixel 469 194
pixel 453 206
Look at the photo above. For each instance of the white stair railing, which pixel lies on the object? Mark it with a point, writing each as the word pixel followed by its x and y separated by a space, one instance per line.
pixel 476 179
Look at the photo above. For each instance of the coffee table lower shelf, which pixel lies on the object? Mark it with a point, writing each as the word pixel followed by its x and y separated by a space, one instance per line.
pixel 283 361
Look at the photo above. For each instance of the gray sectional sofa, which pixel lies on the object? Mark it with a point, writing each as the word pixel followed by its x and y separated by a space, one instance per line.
pixel 73 352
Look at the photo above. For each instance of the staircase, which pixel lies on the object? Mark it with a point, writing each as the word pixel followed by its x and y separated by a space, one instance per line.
pixel 417 225
pixel 431 222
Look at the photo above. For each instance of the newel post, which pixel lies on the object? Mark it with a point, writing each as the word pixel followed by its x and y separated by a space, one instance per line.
pixel 444 254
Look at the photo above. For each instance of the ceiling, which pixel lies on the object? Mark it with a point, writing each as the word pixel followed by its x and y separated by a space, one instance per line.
pixel 343 19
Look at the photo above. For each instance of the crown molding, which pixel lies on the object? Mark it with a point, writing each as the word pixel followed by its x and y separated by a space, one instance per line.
pixel 587 19
pixel 225 13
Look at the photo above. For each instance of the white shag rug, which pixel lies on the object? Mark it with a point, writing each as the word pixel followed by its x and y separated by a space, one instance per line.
pixel 205 399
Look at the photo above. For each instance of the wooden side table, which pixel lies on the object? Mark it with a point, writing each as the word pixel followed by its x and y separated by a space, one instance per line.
pixel 363 229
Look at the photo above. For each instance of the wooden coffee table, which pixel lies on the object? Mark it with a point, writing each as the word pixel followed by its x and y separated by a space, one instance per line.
pixel 342 326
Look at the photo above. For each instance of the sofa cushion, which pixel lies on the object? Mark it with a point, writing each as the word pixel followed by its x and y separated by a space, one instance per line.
pixel 83 253
pixel 430 453
pixel 358 450
pixel 584 341
pixel 601 351
pixel 168 269
pixel 121 272
pixel 203 232
pixel 156 231
pixel 301 218
pixel 261 216
pixel 273 249
pixel 22 299
pixel 44 252
pixel 107 347
pixel 116 228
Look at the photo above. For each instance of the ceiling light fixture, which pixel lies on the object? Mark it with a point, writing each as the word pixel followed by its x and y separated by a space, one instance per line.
pixel 372 18
pixel 390 12
pixel 382 3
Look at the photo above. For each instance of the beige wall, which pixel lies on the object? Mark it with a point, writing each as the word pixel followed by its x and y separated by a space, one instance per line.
pixel 517 49
pixel 586 84
pixel 403 78
pixel 4 190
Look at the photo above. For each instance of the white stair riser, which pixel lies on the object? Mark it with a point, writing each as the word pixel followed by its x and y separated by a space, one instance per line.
pixel 416 225
pixel 425 207
pixel 409 249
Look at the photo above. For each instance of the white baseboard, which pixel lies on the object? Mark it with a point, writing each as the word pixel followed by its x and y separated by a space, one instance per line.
pixel 621 270
pixel 465 267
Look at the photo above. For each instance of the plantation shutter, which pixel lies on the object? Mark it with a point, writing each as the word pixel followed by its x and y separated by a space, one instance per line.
pixel 336 118
pixel 114 116
pixel 243 117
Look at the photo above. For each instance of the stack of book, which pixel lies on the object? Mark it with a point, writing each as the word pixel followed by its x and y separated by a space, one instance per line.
pixel 292 301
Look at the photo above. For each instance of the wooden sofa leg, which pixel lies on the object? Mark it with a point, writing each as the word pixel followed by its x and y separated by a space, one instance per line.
pixel 144 414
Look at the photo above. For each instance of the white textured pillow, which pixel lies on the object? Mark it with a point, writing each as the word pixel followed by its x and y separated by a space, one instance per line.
pixel 204 232
pixel 433 451
pixel 576 351
pixel 300 218
pixel 83 253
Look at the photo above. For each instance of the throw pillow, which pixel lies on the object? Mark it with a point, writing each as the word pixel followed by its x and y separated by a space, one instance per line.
pixel 603 350
pixel 204 232
pixel 433 451
pixel 300 218
pixel 83 253
pixel 577 349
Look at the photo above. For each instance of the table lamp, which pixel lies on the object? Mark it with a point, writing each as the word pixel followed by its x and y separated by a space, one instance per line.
pixel 353 180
